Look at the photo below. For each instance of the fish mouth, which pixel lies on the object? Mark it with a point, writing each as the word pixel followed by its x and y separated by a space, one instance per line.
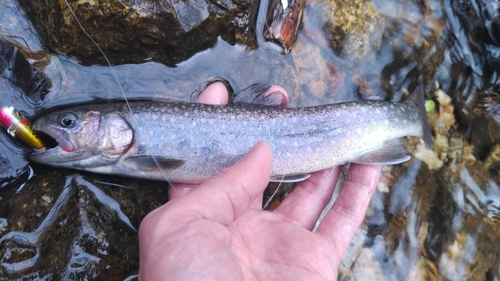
pixel 54 139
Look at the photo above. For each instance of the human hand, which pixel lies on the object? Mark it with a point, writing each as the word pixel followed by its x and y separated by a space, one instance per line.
pixel 219 231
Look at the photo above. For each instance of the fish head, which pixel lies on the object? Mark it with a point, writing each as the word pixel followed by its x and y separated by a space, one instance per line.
pixel 84 137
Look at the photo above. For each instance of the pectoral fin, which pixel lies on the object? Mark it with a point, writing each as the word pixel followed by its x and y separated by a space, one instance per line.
pixel 289 178
pixel 390 154
pixel 152 163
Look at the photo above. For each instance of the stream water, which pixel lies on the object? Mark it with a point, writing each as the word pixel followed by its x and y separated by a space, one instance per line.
pixel 432 218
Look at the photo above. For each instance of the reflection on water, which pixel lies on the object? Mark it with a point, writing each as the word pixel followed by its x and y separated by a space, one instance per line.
pixel 435 217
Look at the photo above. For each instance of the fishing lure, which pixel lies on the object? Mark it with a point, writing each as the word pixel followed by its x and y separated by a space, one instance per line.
pixel 18 125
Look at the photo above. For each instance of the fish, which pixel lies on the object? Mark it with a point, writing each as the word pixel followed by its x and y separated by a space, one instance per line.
pixel 18 125
pixel 190 142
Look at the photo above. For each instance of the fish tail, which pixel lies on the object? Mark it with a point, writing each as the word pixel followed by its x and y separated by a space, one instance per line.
pixel 417 97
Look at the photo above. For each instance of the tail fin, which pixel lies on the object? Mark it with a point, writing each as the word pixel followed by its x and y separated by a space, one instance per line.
pixel 417 97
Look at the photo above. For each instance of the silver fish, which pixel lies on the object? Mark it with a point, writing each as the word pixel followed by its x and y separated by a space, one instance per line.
pixel 190 142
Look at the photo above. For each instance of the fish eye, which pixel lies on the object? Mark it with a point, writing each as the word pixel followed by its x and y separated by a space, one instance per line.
pixel 68 119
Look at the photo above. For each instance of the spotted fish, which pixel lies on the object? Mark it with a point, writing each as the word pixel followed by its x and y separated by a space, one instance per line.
pixel 190 142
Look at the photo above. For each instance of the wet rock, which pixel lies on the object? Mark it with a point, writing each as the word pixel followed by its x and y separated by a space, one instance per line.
pixel 70 226
pixel 20 74
pixel 137 31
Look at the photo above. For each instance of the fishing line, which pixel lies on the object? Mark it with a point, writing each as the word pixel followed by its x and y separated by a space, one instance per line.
pixel 274 193
pixel 117 82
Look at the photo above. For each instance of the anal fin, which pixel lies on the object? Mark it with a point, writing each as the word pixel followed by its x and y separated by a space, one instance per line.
pixel 289 178
pixel 390 154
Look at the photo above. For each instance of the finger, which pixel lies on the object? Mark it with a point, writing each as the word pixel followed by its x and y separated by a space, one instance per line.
pixel 215 93
pixel 306 202
pixel 228 194
pixel 348 211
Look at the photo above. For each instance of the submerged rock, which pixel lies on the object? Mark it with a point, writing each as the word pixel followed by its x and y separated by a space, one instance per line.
pixel 354 27
pixel 137 31
pixel 485 117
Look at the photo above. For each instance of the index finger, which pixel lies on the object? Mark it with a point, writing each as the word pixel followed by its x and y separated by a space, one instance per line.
pixel 224 197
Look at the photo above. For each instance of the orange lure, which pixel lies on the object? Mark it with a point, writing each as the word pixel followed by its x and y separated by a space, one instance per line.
pixel 18 125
